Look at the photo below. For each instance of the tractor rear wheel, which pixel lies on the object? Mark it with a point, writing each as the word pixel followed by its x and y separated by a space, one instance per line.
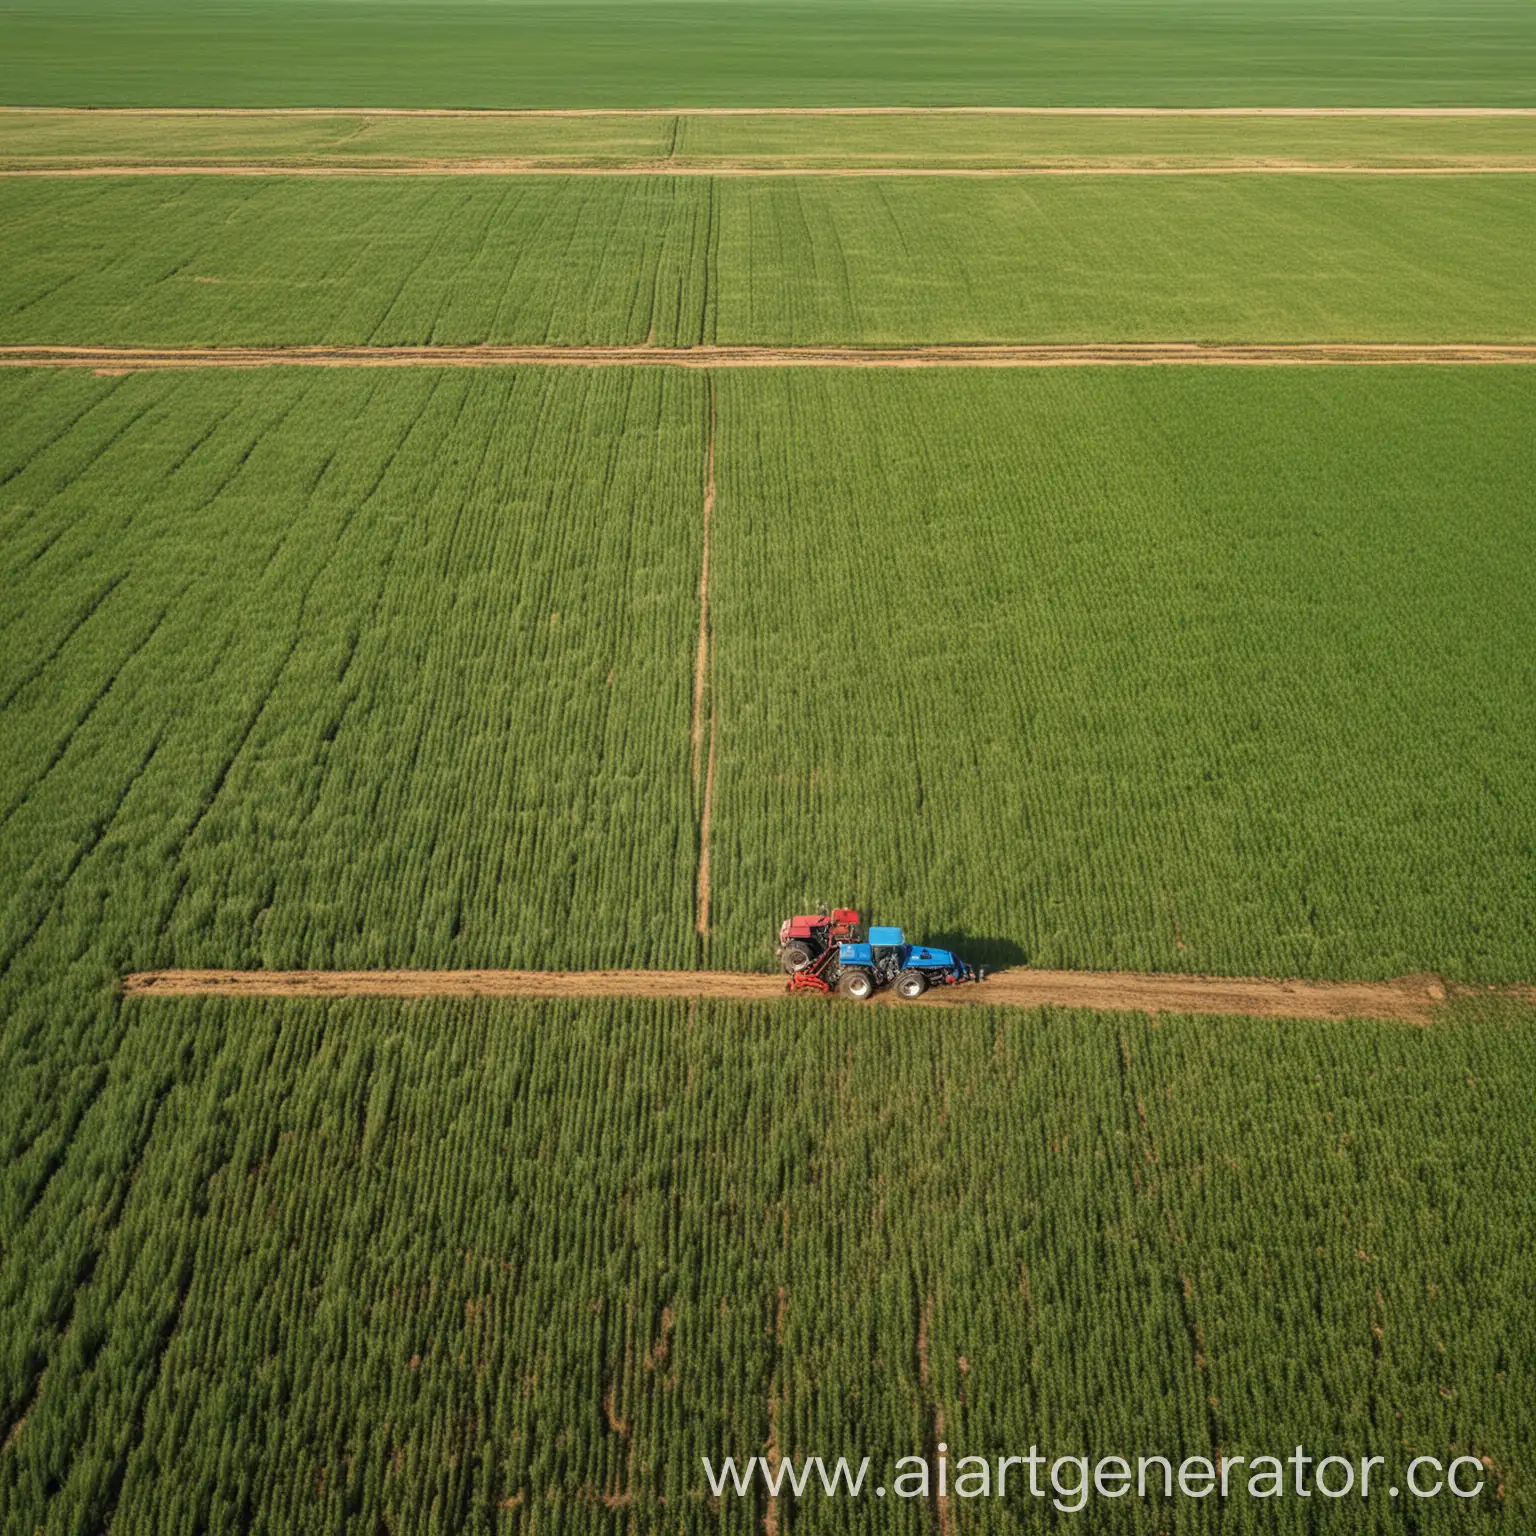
pixel 856 984
pixel 795 957
pixel 911 985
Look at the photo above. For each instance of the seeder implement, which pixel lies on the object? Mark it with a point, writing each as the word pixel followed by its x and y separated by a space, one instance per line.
pixel 813 978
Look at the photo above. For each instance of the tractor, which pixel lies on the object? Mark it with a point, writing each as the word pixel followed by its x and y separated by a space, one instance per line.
pixel 805 943
pixel 826 952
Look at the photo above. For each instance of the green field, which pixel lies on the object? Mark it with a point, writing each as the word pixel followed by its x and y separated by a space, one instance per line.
pixel 342 1267
pixel 322 669
pixel 41 139
pixel 1228 259
pixel 346 670
pixel 683 260
pixel 1205 670
pixel 597 53
pixel 1202 670
pixel 467 260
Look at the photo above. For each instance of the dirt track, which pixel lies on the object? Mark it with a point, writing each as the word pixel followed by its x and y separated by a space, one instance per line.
pixel 700 686
pixel 1082 355
pixel 1410 1000
pixel 517 112
pixel 505 167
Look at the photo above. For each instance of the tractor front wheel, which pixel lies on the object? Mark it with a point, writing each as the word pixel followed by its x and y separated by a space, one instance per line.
pixel 911 985
pixel 856 984
pixel 795 957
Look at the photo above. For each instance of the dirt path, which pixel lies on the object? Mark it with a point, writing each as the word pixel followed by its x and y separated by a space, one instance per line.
pixel 504 167
pixel 1070 355
pixel 929 111
pixel 1411 999
pixel 701 681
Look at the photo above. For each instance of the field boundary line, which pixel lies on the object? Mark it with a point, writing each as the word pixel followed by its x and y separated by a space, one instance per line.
pixel 701 684
pixel 1409 999
pixel 111 359
pixel 34 110
pixel 738 171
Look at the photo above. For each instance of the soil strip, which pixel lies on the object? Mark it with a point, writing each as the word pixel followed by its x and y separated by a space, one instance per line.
pixel 1410 999
pixel 700 682
pixel 888 111
pixel 705 818
pixel 1069 355
pixel 505 167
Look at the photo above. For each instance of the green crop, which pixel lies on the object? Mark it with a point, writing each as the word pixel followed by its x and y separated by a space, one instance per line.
pixel 338 1266
pixel 1215 258
pixel 336 670
pixel 533 53
pixel 1210 668
pixel 1221 670
pixel 1206 669
pixel 531 260
pixel 678 261
pixel 1224 670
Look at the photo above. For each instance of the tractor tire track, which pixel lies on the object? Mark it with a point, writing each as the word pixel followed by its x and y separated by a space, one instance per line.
pixel 1409 999
pixel 701 683
pixel 1107 354
pixel 704 834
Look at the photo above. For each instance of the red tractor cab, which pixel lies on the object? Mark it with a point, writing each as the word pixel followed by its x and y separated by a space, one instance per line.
pixel 806 943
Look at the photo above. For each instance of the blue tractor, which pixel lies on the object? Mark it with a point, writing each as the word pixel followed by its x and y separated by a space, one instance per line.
pixel 828 955
pixel 887 958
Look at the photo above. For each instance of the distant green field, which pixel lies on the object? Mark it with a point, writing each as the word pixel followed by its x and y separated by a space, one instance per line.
pixel 767 53
pixel 1209 670
pixel 920 139
pixel 963 139
pixel 679 261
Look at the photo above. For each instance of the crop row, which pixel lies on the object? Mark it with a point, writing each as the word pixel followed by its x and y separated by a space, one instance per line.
pixel 678 261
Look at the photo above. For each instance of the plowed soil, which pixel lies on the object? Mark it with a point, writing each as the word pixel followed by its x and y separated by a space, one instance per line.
pixel 1411 999
pixel 1094 355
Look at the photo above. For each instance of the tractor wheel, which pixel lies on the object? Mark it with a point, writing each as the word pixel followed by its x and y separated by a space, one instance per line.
pixel 911 985
pixel 856 984
pixel 795 957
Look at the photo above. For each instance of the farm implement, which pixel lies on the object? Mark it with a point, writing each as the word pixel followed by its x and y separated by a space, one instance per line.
pixel 828 952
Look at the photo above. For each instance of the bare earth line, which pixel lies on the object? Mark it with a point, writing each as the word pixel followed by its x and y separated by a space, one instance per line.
pixel 705 819
pixel 112 360
pixel 1410 999
pixel 667 168
pixel 930 111
pixel 700 681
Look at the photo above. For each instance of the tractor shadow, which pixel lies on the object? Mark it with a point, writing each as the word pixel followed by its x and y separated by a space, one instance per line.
pixel 993 954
